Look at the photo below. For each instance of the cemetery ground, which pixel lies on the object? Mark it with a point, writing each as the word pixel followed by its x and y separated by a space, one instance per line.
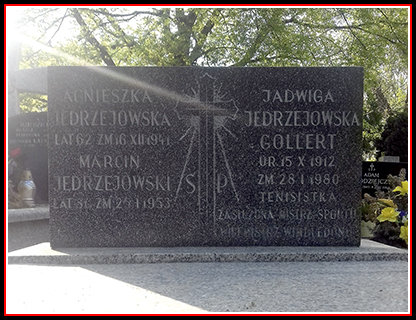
pixel 200 287
pixel 304 287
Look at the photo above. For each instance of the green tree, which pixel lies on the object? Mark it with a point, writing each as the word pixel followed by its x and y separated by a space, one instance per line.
pixel 375 38
pixel 393 140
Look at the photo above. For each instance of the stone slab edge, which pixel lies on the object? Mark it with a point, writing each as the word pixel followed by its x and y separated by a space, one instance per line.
pixel 28 214
pixel 273 254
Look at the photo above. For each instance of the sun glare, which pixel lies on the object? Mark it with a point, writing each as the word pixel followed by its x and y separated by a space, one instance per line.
pixel 13 16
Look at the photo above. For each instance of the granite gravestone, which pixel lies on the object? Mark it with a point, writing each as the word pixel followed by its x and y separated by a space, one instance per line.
pixel 374 176
pixel 29 133
pixel 204 156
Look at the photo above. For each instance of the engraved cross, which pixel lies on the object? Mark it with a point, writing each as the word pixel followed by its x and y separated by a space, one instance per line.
pixel 207 107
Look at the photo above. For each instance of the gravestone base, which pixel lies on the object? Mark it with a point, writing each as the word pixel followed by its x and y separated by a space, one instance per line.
pixel 27 227
pixel 43 254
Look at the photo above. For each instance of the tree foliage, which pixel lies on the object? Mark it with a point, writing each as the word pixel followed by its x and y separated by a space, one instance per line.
pixel 392 141
pixel 375 38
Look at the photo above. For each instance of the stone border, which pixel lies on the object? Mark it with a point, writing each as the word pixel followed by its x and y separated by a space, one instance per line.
pixel 43 254
pixel 28 214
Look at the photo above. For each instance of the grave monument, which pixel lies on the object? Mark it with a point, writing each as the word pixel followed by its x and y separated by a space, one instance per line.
pixel 28 134
pixel 174 156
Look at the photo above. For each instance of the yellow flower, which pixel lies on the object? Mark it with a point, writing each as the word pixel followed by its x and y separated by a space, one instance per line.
pixel 388 214
pixel 388 202
pixel 404 232
pixel 403 189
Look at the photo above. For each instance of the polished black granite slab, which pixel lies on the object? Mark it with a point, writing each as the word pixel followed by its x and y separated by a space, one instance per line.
pixel 178 156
